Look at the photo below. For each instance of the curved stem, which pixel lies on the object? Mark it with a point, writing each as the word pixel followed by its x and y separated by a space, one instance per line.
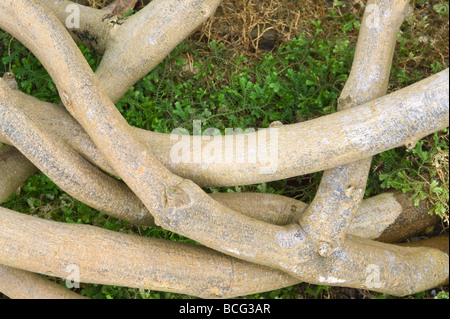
pixel 376 216
pixel 133 46
pixel 66 167
pixel 111 258
pixel 105 257
pixel 389 217
pixel 88 26
pixel 342 189
pixel 181 206
pixel 21 284
pixel 377 219
pixel 15 169
pixel 146 38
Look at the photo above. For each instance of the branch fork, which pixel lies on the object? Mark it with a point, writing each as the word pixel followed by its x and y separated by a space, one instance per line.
pixel 315 245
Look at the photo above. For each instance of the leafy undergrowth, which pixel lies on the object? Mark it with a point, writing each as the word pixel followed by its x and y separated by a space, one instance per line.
pixel 291 69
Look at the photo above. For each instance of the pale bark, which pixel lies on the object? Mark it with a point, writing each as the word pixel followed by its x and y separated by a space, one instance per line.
pixel 229 174
pixel 388 217
pixel 329 141
pixel 439 242
pixel 14 169
pixel 106 257
pixel 111 258
pixel 88 26
pixel 66 167
pixel 62 169
pixel 374 218
pixel 119 202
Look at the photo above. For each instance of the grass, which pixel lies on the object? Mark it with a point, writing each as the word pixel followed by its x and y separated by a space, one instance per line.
pixel 229 77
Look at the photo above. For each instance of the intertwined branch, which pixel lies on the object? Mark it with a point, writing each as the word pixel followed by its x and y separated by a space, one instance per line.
pixel 251 242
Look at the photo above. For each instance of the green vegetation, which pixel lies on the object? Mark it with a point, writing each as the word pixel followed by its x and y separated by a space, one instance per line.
pixel 211 82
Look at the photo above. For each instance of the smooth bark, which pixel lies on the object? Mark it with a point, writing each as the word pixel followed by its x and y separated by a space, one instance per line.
pixel 181 206
pixel 132 47
pixel 111 258
pixel 14 170
pixel 66 167
pixel 106 257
